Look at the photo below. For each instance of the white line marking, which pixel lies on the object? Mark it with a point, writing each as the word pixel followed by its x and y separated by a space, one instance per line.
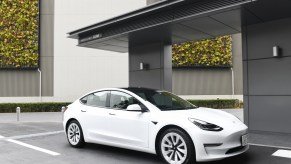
pixel 36 135
pixel 279 147
pixel 282 153
pixel 32 147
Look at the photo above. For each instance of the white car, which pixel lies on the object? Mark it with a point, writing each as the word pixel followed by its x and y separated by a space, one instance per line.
pixel 156 122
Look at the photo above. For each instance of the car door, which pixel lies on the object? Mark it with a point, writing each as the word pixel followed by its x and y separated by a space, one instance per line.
pixel 94 114
pixel 127 127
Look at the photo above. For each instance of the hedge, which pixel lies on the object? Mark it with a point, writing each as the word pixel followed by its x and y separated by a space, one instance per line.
pixel 32 107
pixel 56 107
pixel 218 103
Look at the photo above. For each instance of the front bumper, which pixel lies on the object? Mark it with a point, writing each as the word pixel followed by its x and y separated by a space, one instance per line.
pixel 210 146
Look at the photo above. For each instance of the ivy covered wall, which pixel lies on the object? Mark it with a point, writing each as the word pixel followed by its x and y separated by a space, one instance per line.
pixel 216 52
pixel 19 34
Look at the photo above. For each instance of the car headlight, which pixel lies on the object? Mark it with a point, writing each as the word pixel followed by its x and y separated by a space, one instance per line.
pixel 205 125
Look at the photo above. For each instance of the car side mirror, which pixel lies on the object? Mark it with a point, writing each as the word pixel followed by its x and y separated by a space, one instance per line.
pixel 134 108
pixel 84 101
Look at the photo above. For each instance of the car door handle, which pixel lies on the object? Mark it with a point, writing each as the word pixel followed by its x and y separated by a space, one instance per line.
pixel 112 114
pixel 83 111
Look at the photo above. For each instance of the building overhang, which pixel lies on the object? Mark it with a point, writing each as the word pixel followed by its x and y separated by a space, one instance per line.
pixel 173 21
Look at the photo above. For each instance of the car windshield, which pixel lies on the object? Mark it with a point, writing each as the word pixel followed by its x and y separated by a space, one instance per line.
pixel 165 101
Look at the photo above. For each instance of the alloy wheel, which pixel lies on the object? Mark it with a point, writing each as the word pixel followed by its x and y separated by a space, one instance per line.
pixel 174 148
pixel 74 134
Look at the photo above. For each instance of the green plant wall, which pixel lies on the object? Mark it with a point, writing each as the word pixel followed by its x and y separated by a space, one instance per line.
pixel 216 52
pixel 19 33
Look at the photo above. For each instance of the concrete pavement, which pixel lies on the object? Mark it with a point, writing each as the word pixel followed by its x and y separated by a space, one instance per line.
pixel 39 138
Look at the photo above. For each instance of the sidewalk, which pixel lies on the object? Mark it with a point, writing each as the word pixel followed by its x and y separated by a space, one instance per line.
pixel 57 116
pixel 31 117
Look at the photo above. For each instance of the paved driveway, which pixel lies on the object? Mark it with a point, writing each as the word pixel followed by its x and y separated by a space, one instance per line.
pixel 43 141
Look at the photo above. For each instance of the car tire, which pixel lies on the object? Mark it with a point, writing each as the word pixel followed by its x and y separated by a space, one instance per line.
pixel 75 134
pixel 176 147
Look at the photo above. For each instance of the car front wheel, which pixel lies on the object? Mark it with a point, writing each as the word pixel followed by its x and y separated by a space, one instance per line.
pixel 176 147
pixel 75 134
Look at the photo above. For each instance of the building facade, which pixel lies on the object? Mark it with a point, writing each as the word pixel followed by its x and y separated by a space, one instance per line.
pixel 66 71
pixel 265 28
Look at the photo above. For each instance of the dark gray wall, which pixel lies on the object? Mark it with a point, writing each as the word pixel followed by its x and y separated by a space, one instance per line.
pixel 24 83
pixel 202 81
pixel 159 58
pixel 267 79
pixel 211 81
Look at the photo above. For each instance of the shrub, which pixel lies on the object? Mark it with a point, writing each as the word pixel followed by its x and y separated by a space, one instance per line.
pixel 217 103
pixel 32 107
pixel 56 107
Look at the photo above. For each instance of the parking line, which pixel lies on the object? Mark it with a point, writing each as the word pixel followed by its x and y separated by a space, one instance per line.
pixel 32 147
pixel 282 153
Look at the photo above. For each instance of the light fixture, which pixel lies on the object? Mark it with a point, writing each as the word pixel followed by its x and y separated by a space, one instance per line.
pixel 276 51
pixel 143 66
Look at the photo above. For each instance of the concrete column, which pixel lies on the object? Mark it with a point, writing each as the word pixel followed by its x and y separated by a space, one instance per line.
pixel 157 57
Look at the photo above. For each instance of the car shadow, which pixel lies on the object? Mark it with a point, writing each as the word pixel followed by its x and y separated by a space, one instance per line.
pixel 239 159
pixel 123 154
pixel 146 158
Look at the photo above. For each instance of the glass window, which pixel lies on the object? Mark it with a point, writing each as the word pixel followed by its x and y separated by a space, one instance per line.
pixel 96 99
pixel 121 100
pixel 163 100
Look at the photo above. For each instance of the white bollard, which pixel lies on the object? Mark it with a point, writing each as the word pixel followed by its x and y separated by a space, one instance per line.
pixel 18 113
pixel 63 110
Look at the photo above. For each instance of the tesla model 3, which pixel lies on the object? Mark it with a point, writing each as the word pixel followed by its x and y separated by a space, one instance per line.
pixel 156 122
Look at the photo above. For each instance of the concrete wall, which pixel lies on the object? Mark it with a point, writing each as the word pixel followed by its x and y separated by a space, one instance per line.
pixel 267 79
pixel 78 70
pixel 25 83
pixel 211 81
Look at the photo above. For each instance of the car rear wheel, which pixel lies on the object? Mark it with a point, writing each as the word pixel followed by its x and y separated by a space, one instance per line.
pixel 75 134
pixel 176 147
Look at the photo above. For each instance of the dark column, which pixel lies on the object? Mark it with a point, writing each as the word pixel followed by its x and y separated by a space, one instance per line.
pixel 157 59
pixel 267 78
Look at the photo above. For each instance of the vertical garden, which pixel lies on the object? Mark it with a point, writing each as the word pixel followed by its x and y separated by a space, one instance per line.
pixel 216 52
pixel 19 24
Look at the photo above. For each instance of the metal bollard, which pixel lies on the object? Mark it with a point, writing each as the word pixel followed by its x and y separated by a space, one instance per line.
pixel 18 113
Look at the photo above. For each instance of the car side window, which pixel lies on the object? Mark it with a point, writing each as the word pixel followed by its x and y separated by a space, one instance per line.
pixel 121 100
pixel 96 99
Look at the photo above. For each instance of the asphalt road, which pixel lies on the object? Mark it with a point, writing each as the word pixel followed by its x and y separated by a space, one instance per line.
pixel 44 142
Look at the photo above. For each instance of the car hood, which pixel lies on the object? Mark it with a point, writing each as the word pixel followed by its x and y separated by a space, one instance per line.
pixel 213 116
